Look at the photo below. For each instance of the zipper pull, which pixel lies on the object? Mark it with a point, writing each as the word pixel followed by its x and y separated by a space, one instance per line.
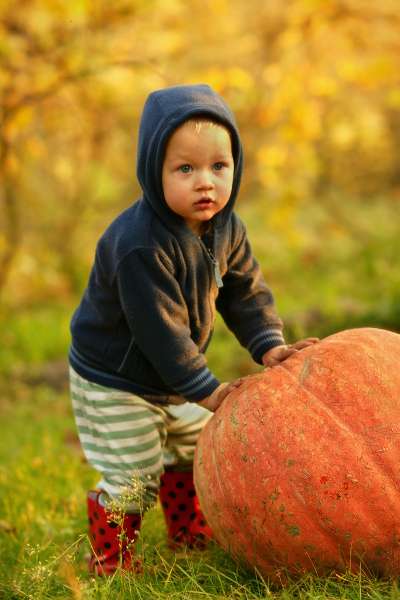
pixel 217 273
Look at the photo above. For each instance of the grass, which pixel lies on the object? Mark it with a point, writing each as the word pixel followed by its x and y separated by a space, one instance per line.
pixel 43 524
pixel 329 271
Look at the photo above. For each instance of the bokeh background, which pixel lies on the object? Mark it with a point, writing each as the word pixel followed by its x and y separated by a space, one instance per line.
pixel 315 87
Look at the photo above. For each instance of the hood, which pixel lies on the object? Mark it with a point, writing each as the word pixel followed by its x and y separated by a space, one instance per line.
pixel 164 111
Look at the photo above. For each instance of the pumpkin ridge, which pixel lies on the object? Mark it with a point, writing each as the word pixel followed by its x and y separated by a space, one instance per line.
pixel 301 466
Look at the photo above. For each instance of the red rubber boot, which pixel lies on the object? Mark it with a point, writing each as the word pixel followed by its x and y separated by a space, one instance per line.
pixel 185 521
pixel 104 534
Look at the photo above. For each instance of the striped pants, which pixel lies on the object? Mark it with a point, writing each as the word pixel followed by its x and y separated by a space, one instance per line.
pixel 123 436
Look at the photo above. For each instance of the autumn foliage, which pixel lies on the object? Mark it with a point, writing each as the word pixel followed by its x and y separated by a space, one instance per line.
pixel 314 85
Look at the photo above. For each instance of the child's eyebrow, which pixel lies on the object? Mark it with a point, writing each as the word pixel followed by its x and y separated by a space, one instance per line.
pixel 178 158
pixel 184 160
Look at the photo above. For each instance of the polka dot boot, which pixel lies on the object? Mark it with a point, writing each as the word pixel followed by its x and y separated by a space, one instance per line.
pixel 185 521
pixel 104 537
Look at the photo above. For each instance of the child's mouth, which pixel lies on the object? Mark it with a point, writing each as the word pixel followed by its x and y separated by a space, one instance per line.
pixel 204 203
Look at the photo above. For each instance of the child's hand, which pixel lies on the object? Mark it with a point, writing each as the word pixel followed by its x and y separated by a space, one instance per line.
pixel 213 401
pixel 280 353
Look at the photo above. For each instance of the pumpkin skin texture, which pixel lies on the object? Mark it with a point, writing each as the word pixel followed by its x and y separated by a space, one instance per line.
pixel 299 468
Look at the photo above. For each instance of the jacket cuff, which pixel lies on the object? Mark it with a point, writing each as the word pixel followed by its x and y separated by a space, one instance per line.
pixel 262 340
pixel 200 385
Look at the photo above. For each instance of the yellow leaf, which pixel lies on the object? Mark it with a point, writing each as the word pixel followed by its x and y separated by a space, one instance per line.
pixel 215 77
pixel 36 147
pixel 272 74
pixel 3 243
pixel 68 574
pixel 240 79
pixel 63 169
pixel 343 135
pixel 393 98
pixel 271 156
pixel 291 38
pixel 323 86
pixel 347 69
pixel 11 164
pixel 218 7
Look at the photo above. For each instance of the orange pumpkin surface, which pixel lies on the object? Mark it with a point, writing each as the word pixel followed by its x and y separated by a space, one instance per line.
pixel 299 469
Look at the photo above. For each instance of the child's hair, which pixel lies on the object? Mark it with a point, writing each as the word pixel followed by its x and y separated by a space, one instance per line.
pixel 201 121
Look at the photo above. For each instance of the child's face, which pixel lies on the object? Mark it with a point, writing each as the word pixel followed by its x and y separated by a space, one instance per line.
pixel 197 173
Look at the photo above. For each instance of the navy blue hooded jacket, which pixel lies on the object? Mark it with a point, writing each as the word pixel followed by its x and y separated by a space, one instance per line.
pixel 147 315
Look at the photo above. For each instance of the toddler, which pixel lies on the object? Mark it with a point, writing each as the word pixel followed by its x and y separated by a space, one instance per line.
pixel 140 385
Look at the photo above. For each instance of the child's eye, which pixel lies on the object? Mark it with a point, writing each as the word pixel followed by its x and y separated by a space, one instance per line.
pixel 185 169
pixel 218 166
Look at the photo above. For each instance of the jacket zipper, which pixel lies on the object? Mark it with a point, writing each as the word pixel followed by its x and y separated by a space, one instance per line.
pixel 215 265
pixel 217 272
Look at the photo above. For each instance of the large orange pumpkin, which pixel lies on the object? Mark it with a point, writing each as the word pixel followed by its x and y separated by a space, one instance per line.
pixel 299 469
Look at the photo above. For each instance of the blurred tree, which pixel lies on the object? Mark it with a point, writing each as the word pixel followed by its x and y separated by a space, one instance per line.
pixel 314 85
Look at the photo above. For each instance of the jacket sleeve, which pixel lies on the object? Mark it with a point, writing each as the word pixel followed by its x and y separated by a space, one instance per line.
pixel 158 318
pixel 245 301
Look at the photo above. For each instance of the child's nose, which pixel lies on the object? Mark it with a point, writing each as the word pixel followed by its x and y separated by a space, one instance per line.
pixel 204 180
